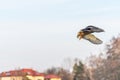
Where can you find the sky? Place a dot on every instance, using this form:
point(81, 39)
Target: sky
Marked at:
point(40, 34)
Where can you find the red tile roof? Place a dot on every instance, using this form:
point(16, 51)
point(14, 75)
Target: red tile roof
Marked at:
point(24, 72)
point(21, 72)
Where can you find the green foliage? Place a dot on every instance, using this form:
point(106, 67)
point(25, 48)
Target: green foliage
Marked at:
point(79, 71)
point(78, 68)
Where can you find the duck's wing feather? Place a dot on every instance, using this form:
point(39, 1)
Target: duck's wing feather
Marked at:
point(92, 29)
point(93, 39)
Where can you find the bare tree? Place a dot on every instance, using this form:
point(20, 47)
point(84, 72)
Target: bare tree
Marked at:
point(68, 63)
point(64, 74)
point(107, 67)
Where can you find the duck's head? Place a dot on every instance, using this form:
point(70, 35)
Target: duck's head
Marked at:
point(80, 34)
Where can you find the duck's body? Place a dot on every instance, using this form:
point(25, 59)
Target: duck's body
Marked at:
point(86, 34)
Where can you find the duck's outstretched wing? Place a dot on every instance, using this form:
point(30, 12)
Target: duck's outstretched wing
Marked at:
point(93, 39)
point(91, 29)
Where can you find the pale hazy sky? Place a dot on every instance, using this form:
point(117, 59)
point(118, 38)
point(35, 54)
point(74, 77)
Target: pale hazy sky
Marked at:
point(40, 34)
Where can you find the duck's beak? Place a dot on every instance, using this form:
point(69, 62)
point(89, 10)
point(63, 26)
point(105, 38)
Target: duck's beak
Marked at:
point(80, 35)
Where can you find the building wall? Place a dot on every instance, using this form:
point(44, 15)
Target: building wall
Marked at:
point(11, 78)
point(20, 78)
point(55, 79)
point(36, 77)
point(5, 78)
point(30, 77)
point(16, 78)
